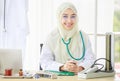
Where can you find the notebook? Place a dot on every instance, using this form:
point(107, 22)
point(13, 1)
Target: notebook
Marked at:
point(10, 59)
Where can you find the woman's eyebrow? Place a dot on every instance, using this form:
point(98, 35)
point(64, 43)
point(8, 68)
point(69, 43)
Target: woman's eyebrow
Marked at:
point(73, 14)
point(67, 14)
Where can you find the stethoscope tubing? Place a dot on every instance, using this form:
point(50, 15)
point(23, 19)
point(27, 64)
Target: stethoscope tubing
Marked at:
point(68, 51)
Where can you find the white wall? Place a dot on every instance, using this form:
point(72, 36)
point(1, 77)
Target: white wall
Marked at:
point(32, 52)
point(104, 23)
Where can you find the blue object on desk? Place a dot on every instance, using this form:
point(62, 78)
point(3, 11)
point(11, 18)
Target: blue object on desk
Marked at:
point(36, 76)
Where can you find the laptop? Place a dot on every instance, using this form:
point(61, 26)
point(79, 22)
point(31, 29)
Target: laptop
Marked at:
point(10, 59)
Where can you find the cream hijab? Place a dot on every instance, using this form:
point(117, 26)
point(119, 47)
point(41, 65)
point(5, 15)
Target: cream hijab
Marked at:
point(55, 43)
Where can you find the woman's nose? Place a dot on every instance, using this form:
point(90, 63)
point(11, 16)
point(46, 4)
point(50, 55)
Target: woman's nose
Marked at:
point(69, 20)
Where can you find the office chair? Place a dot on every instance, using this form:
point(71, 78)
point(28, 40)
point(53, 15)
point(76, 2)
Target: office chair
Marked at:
point(41, 45)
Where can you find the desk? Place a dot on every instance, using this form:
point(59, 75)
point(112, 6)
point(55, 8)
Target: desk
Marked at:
point(64, 78)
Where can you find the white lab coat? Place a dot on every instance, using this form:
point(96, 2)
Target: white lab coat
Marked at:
point(16, 25)
point(48, 62)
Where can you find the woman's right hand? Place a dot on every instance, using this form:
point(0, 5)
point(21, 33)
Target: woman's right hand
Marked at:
point(71, 66)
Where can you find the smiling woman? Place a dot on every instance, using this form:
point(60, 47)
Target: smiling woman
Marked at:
point(68, 19)
point(94, 18)
point(72, 51)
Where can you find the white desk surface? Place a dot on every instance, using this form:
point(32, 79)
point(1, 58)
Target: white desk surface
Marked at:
point(65, 78)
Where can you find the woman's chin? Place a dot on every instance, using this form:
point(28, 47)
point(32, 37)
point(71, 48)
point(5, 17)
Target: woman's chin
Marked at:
point(68, 28)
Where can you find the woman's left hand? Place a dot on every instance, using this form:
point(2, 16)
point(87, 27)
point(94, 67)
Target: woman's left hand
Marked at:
point(76, 69)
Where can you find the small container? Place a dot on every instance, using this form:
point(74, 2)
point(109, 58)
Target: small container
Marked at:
point(8, 72)
point(20, 72)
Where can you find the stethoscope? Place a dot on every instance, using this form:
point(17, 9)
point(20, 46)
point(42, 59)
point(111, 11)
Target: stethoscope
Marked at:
point(68, 51)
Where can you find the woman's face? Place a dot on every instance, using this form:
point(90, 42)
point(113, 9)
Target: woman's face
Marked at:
point(68, 19)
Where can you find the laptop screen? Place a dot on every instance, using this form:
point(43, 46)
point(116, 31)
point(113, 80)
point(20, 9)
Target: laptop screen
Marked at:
point(10, 59)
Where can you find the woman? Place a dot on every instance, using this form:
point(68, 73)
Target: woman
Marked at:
point(67, 48)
